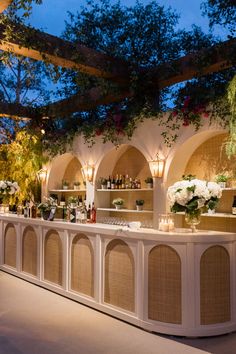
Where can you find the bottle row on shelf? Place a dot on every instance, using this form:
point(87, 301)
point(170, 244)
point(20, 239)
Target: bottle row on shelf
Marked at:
point(75, 210)
point(123, 182)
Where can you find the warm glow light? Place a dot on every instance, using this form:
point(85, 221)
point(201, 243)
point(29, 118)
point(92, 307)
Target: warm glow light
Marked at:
point(42, 175)
point(87, 172)
point(157, 167)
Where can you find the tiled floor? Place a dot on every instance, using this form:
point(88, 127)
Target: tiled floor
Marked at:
point(36, 321)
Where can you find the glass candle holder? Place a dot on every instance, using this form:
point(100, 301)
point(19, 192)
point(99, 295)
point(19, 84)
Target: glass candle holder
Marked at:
point(166, 222)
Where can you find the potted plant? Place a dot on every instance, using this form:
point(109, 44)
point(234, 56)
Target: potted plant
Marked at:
point(118, 202)
point(77, 185)
point(65, 184)
point(103, 182)
point(221, 180)
point(139, 204)
point(149, 182)
point(47, 208)
point(72, 201)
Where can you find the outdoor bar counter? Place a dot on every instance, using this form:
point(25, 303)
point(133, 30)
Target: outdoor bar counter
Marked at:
point(178, 283)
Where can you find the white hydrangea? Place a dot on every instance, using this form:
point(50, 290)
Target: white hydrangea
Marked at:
point(182, 192)
point(214, 189)
point(8, 187)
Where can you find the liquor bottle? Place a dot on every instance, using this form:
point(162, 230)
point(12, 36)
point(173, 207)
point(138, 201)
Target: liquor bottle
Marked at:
point(234, 206)
point(123, 182)
point(64, 213)
point(89, 213)
point(109, 183)
point(73, 214)
point(113, 183)
point(79, 209)
point(93, 214)
point(83, 214)
point(63, 200)
point(33, 211)
point(26, 210)
point(117, 182)
point(120, 182)
point(127, 181)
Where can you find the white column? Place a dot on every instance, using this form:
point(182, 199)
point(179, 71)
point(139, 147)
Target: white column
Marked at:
point(159, 200)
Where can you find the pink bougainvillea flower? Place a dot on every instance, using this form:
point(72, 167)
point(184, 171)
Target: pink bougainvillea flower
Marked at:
point(174, 113)
point(186, 122)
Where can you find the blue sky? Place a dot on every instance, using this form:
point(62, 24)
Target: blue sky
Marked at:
point(51, 15)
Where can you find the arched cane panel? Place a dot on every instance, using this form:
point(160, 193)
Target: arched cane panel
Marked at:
point(119, 276)
point(53, 257)
point(164, 285)
point(29, 251)
point(82, 265)
point(10, 246)
point(215, 286)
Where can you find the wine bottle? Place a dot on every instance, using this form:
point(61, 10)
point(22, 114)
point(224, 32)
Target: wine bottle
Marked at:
point(89, 213)
point(123, 182)
point(113, 183)
point(33, 211)
point(93, 214)
point(109, 183)
point(234, 206)
point(73, 215)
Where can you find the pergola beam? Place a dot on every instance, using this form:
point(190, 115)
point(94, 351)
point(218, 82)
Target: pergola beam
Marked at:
point(63, 108)
point(16, 111)
point(83, 102)
point(38, 45)
point(4, 5)
point(207, 61)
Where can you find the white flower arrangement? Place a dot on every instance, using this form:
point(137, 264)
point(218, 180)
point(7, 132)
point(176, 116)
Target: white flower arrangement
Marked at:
point(194, 194)
point(8, 187)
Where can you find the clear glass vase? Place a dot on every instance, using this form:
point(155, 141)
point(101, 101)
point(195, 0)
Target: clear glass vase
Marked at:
point(193, 218)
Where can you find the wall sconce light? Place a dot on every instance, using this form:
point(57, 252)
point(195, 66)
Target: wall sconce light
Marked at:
point(42, 175)
point(157, 167)
point(87, 172)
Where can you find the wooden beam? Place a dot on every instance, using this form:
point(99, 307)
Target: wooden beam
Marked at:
point(206, 61)
point(4, 5)
point(17, 111)
point(63, 108)
point(83, 102)
point(38, 45)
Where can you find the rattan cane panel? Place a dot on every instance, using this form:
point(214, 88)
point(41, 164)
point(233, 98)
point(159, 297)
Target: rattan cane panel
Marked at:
point(215, 286)
point(82, 265)
point(10, 246)
point(209, 159)
point(53, 258)
point(29, 251)
point(164, 285)
point(119, 276)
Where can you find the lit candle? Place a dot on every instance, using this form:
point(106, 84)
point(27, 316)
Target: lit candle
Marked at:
point(165, 227)
point(171, 225)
